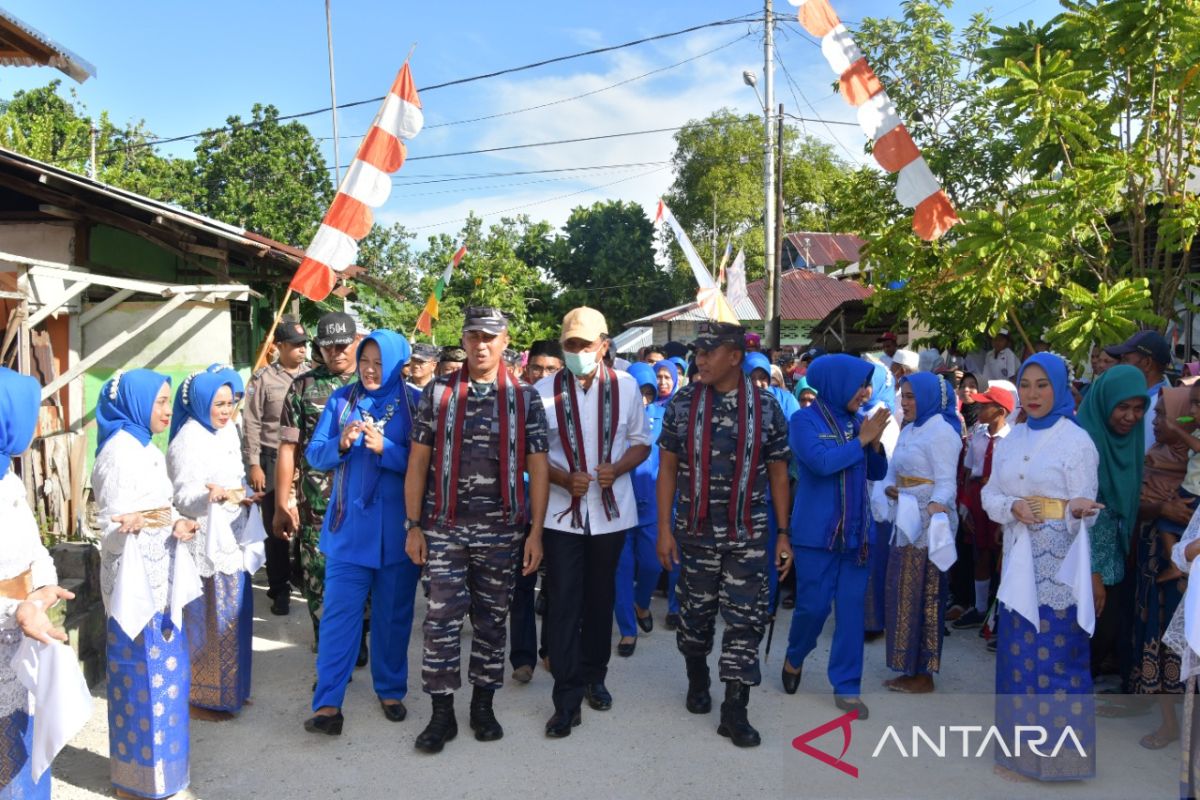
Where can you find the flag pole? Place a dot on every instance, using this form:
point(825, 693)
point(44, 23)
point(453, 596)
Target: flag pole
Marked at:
point(261, 359)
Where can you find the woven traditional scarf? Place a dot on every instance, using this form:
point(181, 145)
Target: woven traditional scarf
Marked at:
point(749, 450)
point(341, 474)
point(840, 531)
point(451, 422)
point(570, 432)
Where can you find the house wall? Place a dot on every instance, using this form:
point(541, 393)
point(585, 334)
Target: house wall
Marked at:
point(794, 333)
point(195, 336)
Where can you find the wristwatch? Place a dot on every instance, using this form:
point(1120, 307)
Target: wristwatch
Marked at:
point(409, 524)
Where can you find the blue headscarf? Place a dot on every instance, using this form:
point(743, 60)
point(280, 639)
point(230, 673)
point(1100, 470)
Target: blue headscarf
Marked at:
point(681, 366)
point(236, 385)
point(754, 361)
point(20, 396)
point(1064, 402)
point(836, 379)
point(667, 364)
point(801, 387)
point(131, 407)
point(934, 398)
point(643, 373)
point(394, 352)
point(200, 388)
point(883, 388)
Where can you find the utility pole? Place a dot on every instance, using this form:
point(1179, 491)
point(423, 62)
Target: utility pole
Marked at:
point(337, 163)
point(92, 163)
point(771, 323)
point(776, 315)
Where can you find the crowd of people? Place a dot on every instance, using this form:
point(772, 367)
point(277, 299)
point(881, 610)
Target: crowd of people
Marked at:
point(907, 494)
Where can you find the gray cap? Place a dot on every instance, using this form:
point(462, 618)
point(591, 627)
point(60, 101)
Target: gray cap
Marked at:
point(484, 318)
point(423, 351)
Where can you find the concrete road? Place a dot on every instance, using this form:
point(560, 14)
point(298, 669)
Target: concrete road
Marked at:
point(646, 746)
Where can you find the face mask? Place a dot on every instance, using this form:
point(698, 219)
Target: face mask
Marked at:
point(581, 364)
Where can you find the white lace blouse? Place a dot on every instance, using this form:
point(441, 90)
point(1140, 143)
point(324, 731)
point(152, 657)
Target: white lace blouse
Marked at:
point(21, 549)
point(1059, 462)
point(130, 477)
point(197, 457)
point(930, 451)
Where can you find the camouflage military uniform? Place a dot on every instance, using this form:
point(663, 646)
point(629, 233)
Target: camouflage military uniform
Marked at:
point(471, 564)
point(301, 410)
point(722, 570)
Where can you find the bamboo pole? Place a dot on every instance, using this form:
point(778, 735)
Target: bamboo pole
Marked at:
point(261, 360)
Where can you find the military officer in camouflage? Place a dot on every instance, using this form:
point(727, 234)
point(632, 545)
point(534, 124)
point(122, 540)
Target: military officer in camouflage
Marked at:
point(265, 395)
point(717, 436)
point(422, 364)
point(451, 359)
point(475, 434)
point(336, 333)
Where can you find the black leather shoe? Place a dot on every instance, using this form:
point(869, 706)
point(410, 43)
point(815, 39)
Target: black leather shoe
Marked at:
point(330, 725)
point(442, 726)
point(395, 712)
point(626, 648)
point(646, 623)
point(597, 696)
point(281, 604)
point(852, 703)
point(483, 719)
point(559, 726)
point(791, 680)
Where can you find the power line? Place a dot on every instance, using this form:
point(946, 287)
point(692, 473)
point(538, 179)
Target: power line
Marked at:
point(585, 190)
point(746, 18)
point(795, 88)
point(569, 99)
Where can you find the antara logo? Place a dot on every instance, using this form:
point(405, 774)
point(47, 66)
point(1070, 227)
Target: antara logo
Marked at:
point(801, 742)
point(1032, 737)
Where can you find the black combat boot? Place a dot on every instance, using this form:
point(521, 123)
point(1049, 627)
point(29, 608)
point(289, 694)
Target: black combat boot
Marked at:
point(699, 701)
point(442, 725)
point(483, 719)
point(733, 716)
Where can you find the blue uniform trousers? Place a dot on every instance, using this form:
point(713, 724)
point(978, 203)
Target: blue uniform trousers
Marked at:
point(825, 579)
point(637, 574)
point(392, 589)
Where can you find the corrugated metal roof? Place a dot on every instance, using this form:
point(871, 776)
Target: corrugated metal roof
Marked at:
point(22, 45)
point(819, 249)
point(633, 339)
point(807, 296)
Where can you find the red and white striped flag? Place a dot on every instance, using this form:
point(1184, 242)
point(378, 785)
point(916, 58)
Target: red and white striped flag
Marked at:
point(366, 185)
point(916, 185)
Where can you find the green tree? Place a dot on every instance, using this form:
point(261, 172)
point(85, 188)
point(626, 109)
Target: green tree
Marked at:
point(44, 124)
point(264, 175)
point(717, 195)
point(606, 259)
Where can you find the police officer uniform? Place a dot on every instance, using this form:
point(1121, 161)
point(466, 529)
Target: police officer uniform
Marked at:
point(265, 395)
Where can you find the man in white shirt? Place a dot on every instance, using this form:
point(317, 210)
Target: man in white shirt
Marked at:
point(598, 435)
point(1000, 364)
point(1150, 353)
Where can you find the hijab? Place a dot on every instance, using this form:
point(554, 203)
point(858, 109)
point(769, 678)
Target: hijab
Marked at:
point(883, 388)
point(236, 385)
point(802, 386)
point(667, 365)
point(20, 397)
point(1064, 402)
point(194, 399)
point(934, 398)
point(836, 379)
point(126, 404)
point(643, 373)
point(394, 352)
point(1166, 464)
point(1120, 456)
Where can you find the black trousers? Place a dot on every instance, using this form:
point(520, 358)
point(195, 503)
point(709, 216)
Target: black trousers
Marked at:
point(581, 587)
point(279, 554)
point(522, 622)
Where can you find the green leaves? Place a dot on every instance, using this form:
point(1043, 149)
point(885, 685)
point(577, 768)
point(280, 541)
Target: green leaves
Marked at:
point(1109, 314)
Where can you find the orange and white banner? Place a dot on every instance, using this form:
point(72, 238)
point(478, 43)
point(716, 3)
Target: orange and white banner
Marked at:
point(366, 185)
point(894, 150)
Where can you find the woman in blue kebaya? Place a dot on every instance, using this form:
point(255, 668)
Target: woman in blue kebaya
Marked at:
point(638, 569)
point(837, 454)
point(666, 377)
point(363, 439)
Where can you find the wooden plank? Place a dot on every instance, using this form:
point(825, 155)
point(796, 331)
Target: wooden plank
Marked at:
point(104, 306)
point(112, 344)
point(78, 459)
point(55, 304)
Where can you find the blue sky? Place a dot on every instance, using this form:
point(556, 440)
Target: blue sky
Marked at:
point(184, 66)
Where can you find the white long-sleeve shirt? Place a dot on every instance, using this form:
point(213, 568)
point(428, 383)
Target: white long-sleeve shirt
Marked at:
point(632, 430)
point(196, 458)
point(931, 452)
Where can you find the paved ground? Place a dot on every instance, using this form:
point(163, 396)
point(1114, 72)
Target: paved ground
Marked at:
point(646, 746)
